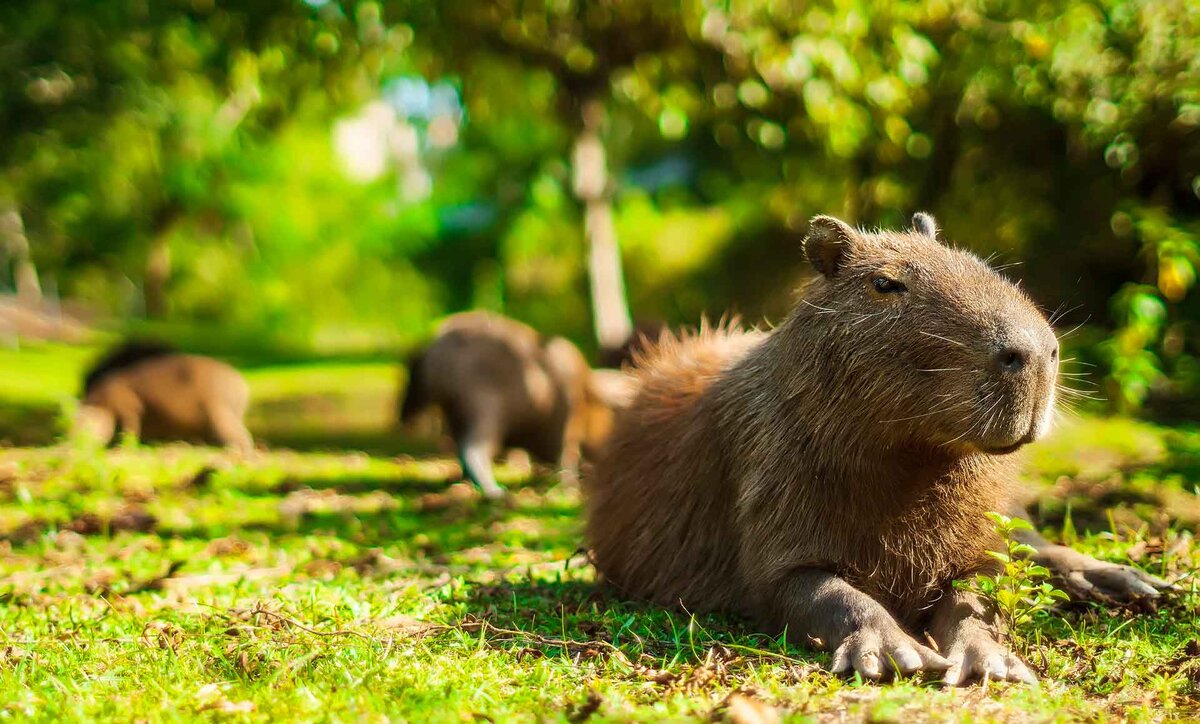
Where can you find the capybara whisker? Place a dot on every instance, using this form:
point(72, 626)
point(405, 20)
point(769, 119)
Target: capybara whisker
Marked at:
point(1072, 330)
point(823, 310)
point(865, 317)
point(944, 339)
point(927, 414)
point(1057, 316)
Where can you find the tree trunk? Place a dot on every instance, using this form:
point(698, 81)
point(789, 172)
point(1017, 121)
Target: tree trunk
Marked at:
point(610, 310)
point(16, 244)
point(158, 264)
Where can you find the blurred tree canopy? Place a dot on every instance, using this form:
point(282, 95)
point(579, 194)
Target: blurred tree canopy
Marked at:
point(340, 173)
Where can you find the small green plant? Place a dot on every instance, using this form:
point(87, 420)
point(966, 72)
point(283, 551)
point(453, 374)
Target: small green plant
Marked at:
point(1021, 589)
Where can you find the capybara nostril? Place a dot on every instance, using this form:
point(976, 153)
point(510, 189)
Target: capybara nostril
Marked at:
point(1011, 360)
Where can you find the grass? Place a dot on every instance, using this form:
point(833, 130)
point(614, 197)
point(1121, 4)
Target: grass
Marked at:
point(176, 583)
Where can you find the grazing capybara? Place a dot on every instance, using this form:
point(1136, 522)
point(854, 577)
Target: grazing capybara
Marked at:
point(154, 393)
point(501, 385)
point(831, 477)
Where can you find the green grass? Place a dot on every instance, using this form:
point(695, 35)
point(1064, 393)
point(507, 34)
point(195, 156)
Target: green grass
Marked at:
point(177, 583)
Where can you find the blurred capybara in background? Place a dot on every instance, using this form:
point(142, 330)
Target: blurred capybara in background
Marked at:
point(502, 385)
point(156, 394)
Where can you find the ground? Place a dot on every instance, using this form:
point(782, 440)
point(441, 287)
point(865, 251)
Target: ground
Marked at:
point(340, 574)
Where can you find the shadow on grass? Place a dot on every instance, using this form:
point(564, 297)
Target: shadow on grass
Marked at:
point(569, 617)
point(1161, 492)
point(350, 485)
point(380, 443)
point(416, 517)
point(28, 425)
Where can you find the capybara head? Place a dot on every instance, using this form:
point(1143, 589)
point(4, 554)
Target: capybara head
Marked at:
point(939, 347)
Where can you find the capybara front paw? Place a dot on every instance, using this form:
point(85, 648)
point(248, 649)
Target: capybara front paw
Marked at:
point(878, 649)
point(978, 656)
point(1112, 580)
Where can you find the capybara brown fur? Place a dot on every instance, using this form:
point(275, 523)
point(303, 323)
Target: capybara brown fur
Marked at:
point(501, 385)
point(831, 477)
point(156, 394)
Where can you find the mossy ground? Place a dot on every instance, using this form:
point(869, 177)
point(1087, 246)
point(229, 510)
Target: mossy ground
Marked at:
point(338, 574)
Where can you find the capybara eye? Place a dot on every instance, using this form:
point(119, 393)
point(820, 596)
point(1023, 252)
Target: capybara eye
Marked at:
point(883, 285)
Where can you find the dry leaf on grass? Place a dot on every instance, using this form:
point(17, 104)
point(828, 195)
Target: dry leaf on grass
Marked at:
point(584, 711)
point(200, 480)
point(86, 524)
point(743, 708)
point(210, 698)
point(404, 625)
point(306, 501)
point(128, 517)
point(162, 635)
point(134, 518)
point(27, 532)
point(13, 655)
point(455, 495)
point(228, 546)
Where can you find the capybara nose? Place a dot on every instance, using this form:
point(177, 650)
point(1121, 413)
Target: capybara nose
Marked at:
point(1011, 359)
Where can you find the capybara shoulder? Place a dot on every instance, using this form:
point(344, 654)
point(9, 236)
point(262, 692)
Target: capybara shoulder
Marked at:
point(122, 357)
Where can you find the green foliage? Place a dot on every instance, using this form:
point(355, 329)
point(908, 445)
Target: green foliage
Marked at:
point(1151, 337)
point(1063, 137)
point(1020, 590)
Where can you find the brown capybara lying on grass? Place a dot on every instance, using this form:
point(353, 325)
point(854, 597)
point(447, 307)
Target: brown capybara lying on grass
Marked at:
point(502, 385)
point(154, 393)
point(1082, 576)
point(831, 477)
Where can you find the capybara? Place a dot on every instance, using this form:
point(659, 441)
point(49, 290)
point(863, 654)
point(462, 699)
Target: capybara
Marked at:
point(831, 477)
point(502, 385)
point(153, 393)
point(1081, 575)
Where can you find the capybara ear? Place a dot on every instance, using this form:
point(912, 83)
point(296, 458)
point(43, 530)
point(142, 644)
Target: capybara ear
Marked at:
point(828, 241)
point(925, 225)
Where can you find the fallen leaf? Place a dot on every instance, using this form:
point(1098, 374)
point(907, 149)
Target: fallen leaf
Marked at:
point(210, 698)
point(583, 712)
point(228, 546)
point(86, 524)
point(162, 635)
point(13, 655)
point(745, 709)
point(406, 625)
point(134, 518)
point(200, 480)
